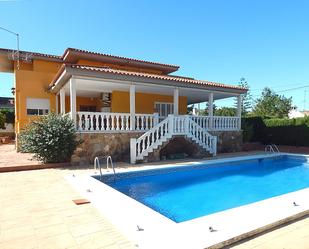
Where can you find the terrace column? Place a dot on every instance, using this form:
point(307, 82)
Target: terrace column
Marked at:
point(57, 103)
point(73, 100)
point(176, 101)
point(62, 100)
point(132, 107)
point(211, 109)
point(239, 109)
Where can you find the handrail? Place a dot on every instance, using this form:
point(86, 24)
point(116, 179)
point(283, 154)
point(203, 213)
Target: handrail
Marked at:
point(98, 165)
point(203, 136)
point(272, 148)
point(172, 125)
point(275, 147)
point(112, 121)
point(109, 159)
point(218, 123)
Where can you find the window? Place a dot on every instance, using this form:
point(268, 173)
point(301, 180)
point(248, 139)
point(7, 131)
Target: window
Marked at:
point(164, 109)
point(36, 106)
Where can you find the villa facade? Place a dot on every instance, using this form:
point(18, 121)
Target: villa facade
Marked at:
point(130, 109)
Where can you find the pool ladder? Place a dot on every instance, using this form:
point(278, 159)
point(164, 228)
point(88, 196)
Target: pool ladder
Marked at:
point(272, 148)
point(97, 164)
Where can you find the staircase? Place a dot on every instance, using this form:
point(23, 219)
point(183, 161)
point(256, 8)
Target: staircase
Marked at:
point(165, 130)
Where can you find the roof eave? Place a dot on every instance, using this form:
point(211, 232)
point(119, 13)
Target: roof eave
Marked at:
point(72, 56)
point(68, 72)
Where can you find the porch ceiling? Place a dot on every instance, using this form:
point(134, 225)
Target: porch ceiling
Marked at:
point(87, 87)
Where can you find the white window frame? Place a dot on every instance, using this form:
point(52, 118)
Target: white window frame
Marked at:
point(37, 106)
point(163, 108)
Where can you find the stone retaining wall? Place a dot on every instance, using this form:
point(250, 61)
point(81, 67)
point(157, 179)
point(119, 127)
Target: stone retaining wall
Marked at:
point(117, 145)
point(228, 141)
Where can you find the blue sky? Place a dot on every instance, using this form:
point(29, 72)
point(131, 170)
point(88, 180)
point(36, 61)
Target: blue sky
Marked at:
point(264, 41)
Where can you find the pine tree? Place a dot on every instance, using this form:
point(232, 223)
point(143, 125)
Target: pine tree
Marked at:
point(246, 103)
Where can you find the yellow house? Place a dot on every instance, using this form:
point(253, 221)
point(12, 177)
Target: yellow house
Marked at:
point(139, 104)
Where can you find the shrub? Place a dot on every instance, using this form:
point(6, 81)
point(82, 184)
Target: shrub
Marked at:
point(52, 138)
point(2, 120)
point(248, 132)
point(283, 131)
point(253, 129)
point(9, 116)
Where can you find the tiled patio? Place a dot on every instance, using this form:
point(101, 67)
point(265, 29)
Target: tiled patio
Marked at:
point(9, 157)
point(37, 212)
point(293, 236)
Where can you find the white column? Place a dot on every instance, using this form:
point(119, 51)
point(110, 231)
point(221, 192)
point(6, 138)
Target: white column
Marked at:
point(133, 150)
point(57, 104)
point(132, 107)
point(199, 108)
point(210, 104)
point(211, 109)
point(62, 100)
point(73, 100)
point(239, 109)
point(176, 101)
point(239, 100)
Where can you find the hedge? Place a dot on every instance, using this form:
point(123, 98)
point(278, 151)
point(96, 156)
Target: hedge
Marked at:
point(9, 115)
point(284, 131)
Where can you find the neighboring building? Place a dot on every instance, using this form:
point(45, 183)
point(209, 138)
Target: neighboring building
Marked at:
point(118, 102)
point(6, 103)
point(294, 113)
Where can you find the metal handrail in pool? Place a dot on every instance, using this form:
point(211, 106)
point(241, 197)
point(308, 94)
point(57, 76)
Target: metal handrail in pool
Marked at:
point(108, 160)
point(272, 148)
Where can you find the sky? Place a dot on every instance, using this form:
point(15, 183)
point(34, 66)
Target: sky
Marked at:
point(264, 41)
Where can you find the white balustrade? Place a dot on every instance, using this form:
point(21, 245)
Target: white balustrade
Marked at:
point(105, 121)
point(172, 125)
point(150, 139)
point(202, 136)
point(218, 123)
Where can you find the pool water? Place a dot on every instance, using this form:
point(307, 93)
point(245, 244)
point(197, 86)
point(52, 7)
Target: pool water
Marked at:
point(196, 191)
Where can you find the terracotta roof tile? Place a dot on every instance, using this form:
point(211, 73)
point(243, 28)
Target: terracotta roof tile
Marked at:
point(118, 57)
point(154, 76)
point(33, 53)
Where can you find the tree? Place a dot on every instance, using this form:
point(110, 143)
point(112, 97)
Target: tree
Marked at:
point(205, 111)
point(246, 103)
point(2, 120)
point(271, 104)
point(225, 111)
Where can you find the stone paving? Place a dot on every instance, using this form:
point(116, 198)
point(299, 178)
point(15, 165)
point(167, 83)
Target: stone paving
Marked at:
point(37, 211)
point(293, 236)
point(9, 157)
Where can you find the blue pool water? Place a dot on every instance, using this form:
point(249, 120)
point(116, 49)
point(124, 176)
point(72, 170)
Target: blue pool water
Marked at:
point(190, 192)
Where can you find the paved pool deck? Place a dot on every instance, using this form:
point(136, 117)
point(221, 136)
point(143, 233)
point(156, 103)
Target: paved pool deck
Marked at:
point(37, 211)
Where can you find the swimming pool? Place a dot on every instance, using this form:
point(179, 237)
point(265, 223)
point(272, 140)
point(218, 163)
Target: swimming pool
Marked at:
point(188, 192)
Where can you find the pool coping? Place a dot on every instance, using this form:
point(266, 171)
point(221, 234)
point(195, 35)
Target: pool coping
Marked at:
point(127, 214)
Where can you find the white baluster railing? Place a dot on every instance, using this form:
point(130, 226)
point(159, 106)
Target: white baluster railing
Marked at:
point(172, 125)
point(105, 121)
point(140, 146)
point(218, 123)
point(144, 122)
point(202, 137)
